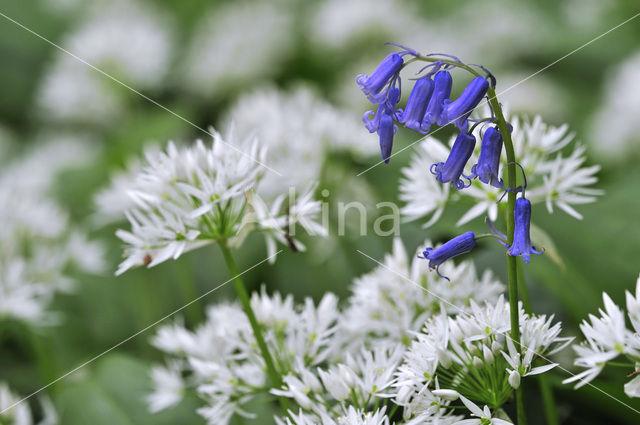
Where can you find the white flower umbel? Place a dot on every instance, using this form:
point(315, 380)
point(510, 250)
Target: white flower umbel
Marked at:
point(466, 353)
point(396, 298)
point(299, 129)
point(126, 39)
point(222, 362)
point(237, 43)
point(188, 197)
point(608, 337)
point(39, 247)
point(553, 178)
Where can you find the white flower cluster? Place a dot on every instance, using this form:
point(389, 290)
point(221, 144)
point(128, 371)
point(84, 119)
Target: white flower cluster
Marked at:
point(236, 44)
point(38, 246)
point(357, 364)
point(473, 354)
point(19, 413)
point(395, 299)
point(191, 196)
point(126, 39)
point(299, 129)
point(607, 337)
point(553, 178)
point(221, 357)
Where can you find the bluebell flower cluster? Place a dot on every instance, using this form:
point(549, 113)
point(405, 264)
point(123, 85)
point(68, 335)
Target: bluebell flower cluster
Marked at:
point(429, 103)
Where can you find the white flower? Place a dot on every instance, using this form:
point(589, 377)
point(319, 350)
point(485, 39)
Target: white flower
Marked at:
point(398, 297)
point(188, 197)
point(632, 388)
point(613, 132)
point(552, 178)
point(168, 387)
point(237, 43)
point(483, 415)
point(16, 412)
point(299, 128)
point(126, 39)
point(607, 337)
point(416, 183)
point(37, 242)
point(472, 343)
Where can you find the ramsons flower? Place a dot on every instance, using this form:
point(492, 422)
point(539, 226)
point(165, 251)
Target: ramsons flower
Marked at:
point(373, 84)
point(458, 111)
point(521, 239)
point(486, 169)
point(416, 107)
point(459, 245)
point(451, 170)
point(442, 83)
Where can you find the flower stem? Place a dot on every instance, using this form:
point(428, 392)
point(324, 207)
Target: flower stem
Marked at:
point(272, 373)
point(512, 266)
point(546, 392)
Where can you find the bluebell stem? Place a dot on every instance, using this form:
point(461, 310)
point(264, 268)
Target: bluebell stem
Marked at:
point(521, 239)
point(442, 83)
point(451, 170)
point(458, 111)
point(459, 245)
point(373, 84)
point(412, 115)
point(489, 160)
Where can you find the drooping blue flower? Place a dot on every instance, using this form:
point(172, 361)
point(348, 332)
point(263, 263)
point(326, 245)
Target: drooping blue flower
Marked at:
point(458, 111)
point(442, 83)
point(412, 115)
point(489, 160)
point(388, 102)
point(371, 85)
point(459, 245)
point(521, 239)
point(386, 131)
point(451, 170)
point(382, 122)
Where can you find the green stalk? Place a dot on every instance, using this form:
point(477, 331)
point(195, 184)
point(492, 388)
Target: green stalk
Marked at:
point(273, 374)
point(512, 265)
point(546, 392)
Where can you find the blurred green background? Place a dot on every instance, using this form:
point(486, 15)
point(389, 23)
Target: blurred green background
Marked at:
point(513, 39)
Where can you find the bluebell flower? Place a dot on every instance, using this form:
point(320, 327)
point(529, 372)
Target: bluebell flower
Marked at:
point(386, 131)
point(442, 83)
point(373, 84)
point(388, 102)
point(458, 111)
point(521, 239)
point(451, 170)
point(459, 245)
point(489, 160)
point(412, 115)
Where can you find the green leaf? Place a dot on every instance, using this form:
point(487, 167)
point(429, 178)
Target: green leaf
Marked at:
point(541, 239)
point(113, 393)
